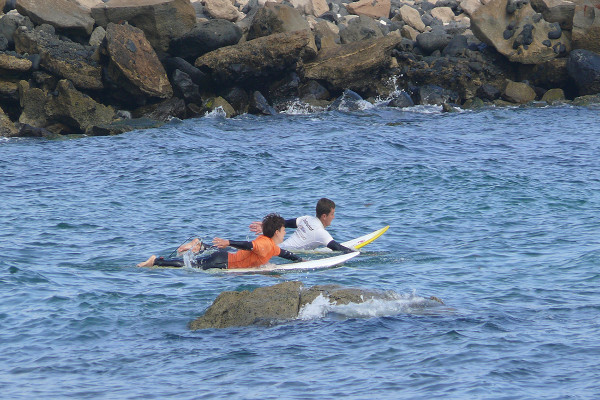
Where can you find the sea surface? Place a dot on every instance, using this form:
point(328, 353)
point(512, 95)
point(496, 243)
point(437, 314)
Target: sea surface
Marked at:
point(496, 212)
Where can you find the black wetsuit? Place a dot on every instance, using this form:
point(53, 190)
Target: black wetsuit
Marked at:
point(218, 258)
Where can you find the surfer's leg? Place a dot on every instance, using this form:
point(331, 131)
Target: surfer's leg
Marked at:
point(173, 262)
point(218, 259)
point(148, 263)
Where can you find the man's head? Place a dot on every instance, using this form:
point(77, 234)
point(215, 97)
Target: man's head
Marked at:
point(272, 224)
point(325, 211)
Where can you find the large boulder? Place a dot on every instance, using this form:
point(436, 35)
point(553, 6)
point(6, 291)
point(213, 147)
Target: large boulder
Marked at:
point(586, 25)
point(518, 92)
point(9, 24)
point(204, 37)
point(357, 66)
point(561, 11)
point(361, 28)
point(222, 9)
point(370, 8)
point(161, 20)
point(75, 109)
point(133, 63)
point(311, 7)
point(7, 127)
point(276, 18)
point(65, 59)
point(584, 68)
point(518, 32)
point(284, 301)
point(265, 57)
point(66, 16)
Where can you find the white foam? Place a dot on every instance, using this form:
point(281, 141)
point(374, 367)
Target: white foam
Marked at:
point(217, 112)
point(396, 304)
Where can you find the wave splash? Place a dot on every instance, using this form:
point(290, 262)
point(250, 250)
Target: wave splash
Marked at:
point(395, 304)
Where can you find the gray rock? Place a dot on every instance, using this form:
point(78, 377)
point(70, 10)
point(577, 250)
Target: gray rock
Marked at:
point(66, 16)
point(432, 41)
point(348, 101)
point(401, 100)
point(276, 18)
point(488, 92)
point(456, 47)
point(583, 67)
point(9, 24)
point(361, 28)
point(260, 105)
point(204, 37)
point(433, 94)
point(185, 88)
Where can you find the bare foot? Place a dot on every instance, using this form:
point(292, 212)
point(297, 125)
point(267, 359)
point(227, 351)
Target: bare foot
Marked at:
point(194, 245)
point(148, 263)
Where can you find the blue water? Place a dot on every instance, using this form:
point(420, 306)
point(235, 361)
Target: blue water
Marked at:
point(497, 212)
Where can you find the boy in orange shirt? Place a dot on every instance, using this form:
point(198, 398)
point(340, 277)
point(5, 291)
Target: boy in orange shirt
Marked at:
point(250, 254)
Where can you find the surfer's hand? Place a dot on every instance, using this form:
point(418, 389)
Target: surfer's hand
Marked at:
point(220, 243)
point(256, 227)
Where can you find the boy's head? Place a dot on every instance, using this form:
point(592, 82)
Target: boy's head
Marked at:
point(324, 206)
point(271, 224)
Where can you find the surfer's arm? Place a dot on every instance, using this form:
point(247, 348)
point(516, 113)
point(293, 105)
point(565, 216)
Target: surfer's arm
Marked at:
point(238, 244)
point(288, 255)
point(256, 226)
point(335, 246)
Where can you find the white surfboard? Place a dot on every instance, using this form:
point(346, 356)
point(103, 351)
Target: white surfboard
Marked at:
point(326, 262)
point(357, 243)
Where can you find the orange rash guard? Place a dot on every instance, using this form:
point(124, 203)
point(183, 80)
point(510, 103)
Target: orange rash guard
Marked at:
point(263, 248)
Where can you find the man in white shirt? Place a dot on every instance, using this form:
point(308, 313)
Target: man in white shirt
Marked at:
point(310, 231)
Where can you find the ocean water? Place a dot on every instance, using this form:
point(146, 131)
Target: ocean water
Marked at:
point(496, 212)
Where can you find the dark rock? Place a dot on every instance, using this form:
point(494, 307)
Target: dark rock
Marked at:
point(122, 126)
point(556, 33)
point(313, 90)
point(163, 111)
point(456, 47)
point(348, 101)
point(361, 28)
point(401, 100)
point(430, 41)
point(583, 67)
point(433, 94)
point(204, 37)
point(27, 130)
point(488, 92)
point(260, 105)
point(185, 88)
point(198, 77)
point(238, 98)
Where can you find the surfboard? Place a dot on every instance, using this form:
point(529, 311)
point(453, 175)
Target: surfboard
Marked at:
point(357, 243)
point(320, 263)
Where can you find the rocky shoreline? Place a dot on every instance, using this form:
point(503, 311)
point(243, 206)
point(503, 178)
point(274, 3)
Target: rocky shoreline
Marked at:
point(105, 67)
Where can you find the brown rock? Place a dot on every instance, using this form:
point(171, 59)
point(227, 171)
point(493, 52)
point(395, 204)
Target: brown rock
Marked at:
point(276, 18)
point(527, 42)
point(7, 127)
point(66, 16)
point(259, 58)
point(356, 66)
point(161, 20)
point(518, 92)
point(370, 8)
point(13, 63)
point(134, 63)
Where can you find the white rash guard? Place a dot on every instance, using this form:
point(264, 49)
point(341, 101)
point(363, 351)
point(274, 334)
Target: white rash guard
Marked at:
point(309, 235)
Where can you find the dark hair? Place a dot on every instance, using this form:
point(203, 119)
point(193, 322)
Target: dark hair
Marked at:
point(324, 206)
point(271, 224)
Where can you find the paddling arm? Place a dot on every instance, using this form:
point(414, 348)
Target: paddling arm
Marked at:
point(256, 226)
point(335, 246)
point(288, 255)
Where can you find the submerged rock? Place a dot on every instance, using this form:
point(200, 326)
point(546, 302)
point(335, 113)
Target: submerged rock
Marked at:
point(284, 302)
